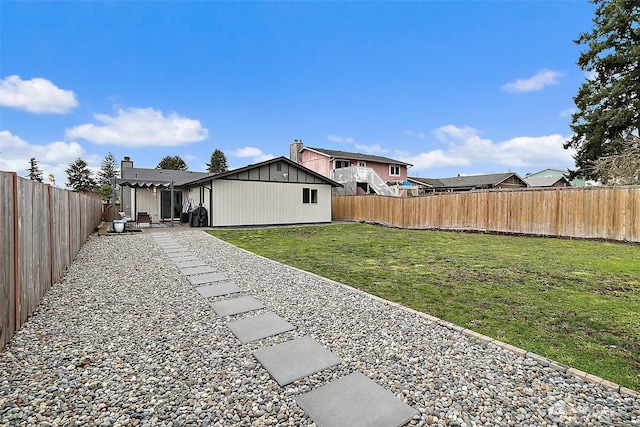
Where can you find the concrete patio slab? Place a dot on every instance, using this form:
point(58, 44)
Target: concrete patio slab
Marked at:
point(218, 290)
point(185, 264)
point(190, 271)
point(257, 327)
point(236, 306)
point(296, 359)
point(206, 278)
point(355, 401)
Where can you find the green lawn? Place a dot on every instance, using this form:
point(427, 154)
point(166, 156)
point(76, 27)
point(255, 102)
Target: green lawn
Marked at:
point(573, 301)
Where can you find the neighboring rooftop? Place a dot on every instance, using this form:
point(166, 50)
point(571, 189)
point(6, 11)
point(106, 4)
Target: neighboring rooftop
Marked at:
point(356, 156)
point(472, 181)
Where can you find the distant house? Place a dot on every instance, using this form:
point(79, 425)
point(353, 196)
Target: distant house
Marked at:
point(552, 176)
point(358, 173)
point(274, 192)
point(470, 182)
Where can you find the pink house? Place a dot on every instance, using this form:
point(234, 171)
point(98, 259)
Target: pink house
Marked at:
point(359, 173)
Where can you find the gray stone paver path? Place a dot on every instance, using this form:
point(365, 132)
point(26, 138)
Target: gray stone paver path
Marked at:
point(355, 401)
point(206, 278)
point(258, 327)
point(236, 306)
point(190, 271)
point(218, 290)
point(195, 263)
point(295, 359)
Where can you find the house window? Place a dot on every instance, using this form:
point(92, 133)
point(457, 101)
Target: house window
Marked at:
point(279, 167)
point(362, 163)
point(309, 195)
point(342, 164)
point(394, 170)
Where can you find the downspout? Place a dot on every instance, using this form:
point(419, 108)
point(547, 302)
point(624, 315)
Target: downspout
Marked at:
point(172, 203)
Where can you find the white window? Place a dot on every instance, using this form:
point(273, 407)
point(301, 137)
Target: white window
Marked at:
point(362, 163)
point(394, 170)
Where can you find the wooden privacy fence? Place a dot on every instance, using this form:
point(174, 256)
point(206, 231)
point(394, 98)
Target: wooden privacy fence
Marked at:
point(41, 230)
point(611, 213)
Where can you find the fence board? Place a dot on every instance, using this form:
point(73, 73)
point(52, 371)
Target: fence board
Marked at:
point(611, 213)
point(7, 259)
point(41, 230)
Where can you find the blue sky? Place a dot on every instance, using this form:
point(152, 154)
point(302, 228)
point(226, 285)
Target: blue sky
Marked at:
point(449, 86)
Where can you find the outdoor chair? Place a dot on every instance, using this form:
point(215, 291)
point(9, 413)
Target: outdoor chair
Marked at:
point(143, 217)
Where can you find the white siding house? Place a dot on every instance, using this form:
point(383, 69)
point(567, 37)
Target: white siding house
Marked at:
point(276, 192)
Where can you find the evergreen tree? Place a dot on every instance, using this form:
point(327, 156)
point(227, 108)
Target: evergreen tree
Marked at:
point(172, 162)
point(79, 176)
point(218, 162)
point(35, 173)
point(608, 101)
point(108, 170)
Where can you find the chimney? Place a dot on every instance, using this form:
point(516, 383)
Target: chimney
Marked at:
point(294, 150)
point(125, 163)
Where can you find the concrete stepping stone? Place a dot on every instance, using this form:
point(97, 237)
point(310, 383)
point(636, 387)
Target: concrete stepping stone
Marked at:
point(355, 401)
point(173, 249)
point(218, 290)
point(180, 255)
point(206, 278)
point(296, 359)
point(184, 258)
point(178, 251)
point(258, 327)
point(168, 247)
point(236, 306)
point(185, 264)
point(190, 271)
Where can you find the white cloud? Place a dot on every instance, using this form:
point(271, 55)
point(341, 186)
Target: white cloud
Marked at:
point(255, 154)
point(53, 158)
point(340, 139)
point(140, 127)
point(35, 96)
point(539, 81)
point(463, 146)
point(433, 159)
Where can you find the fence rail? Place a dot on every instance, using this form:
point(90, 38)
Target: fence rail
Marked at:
point(41, 230)
point(611, 213)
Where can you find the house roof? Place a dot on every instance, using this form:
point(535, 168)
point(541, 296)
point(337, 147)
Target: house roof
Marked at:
point(471, 181)
point(178, 177)
point(545, 181)
point(355, 156)
point(261, 164)
point(549, 172)
point(430, 182)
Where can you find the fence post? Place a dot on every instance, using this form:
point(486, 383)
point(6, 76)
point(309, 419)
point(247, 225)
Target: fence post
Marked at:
point(16, 282)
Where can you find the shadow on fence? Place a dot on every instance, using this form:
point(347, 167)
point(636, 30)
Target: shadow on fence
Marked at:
point(41, 230)
point(610, 213)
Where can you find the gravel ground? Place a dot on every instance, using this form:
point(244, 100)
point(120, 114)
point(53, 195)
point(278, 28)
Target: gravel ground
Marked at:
point(126, 340)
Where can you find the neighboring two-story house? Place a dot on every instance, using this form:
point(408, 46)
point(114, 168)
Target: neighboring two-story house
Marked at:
point(358, 173)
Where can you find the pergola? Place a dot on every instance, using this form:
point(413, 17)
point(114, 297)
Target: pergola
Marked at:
point(140, 183)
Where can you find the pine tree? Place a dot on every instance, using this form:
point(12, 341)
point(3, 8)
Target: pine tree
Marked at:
point(79, 176)
point(108, 170)
point(218, 162)
point(35, 173)
point(172, 162)
point(608, 101)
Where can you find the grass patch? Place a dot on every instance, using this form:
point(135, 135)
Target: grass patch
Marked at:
point(574, 301)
